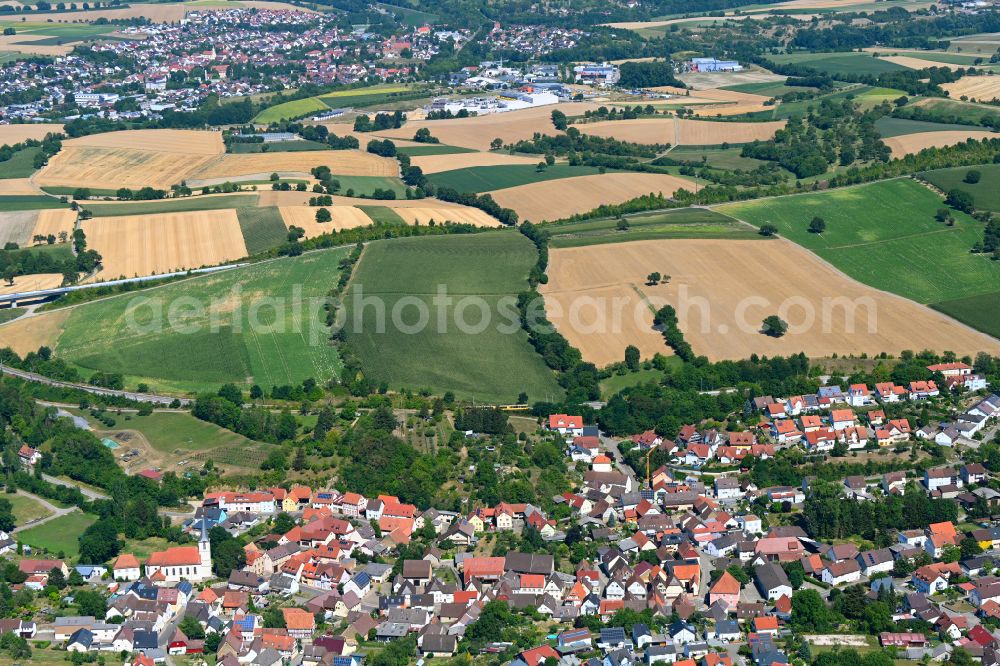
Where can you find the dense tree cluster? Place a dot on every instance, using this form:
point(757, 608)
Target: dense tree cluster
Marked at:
point(648, 74)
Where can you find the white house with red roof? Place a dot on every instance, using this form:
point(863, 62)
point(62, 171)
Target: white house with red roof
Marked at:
point(566, 425)
point(956, 369)
point(126, 567)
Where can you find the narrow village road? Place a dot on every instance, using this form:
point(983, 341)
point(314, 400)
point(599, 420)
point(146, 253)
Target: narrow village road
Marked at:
point(56, 511)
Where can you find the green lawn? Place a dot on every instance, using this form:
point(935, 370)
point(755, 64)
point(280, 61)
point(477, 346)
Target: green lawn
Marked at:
point(263, 228)
point(985, 193)
point(721, 158)
point(259, 324)
point(171, 205)
point(432, 149)
point(29, 202)
point(26, 509)
point(486, 178)
point(168, 432)
point(484, 270)
point(837, 63)
point(20, 165)
point(678, 223)
point(889, 127)
point(884, 235)
point(981, 312)
point(382, 215)
point(59, 535)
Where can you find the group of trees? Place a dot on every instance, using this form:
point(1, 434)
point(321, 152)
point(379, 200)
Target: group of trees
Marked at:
point(382, 121)
point(226, 408)
point(648, 74)
point(665, 321)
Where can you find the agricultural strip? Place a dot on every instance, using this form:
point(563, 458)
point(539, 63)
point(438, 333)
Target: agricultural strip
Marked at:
point(262, 228)
point(679, 223)
point(492, 364)
point(487, 178)
point(186, 204)
point(342, 217)
point(722, 290)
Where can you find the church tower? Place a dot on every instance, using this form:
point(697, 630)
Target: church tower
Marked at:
point(205, 547)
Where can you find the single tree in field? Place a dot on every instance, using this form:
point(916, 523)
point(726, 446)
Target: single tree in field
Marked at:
point(541, 167)
point(817, 225)
point(768, 230)
point(632, 357)
point(622, 224)
point(774, 326)
point(323, 215)
point(942, 215)
point(653, 279)
point(9, 274)
point(496, 144)
point(972, 176)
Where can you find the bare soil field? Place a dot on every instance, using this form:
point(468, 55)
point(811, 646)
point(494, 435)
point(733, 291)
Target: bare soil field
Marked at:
point(341, 163)
point(54, 221)
point(723, 289)
point(32, 283)
point(557, 199)
point(436, 163)
point(27, 334)
point(188, 142)
point(18, 186)
point(477, 132)
point(913, 143)
point(976, 88)
point(134, 245)
point(442, 214)
point(682, 131)
point(344, 217)
point(11, 134)
point(16, 226)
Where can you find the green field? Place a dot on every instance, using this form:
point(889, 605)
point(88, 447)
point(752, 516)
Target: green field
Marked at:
point(837, 63)
point(486, 178)
point(26, 509)
point(382, 215)
point(679, 223)
point(172, 205)
point(9, 314)
point(364, 186)
point(278, 147)
point(20, 165)
point(720, 158)
point(884, 235)
point(259, 324)
point(937, 56)
point(409, 16)
point(616, 383)
point(29, 202)
point(766, 88)
point(170, 432)
point(986, 193)
point(801, 107)
point(432, 149)
point(351, 97)
point(981, 312)
point(485, 269)
point(888, 127)
point(263, 228)
point(62, 32)
point(951, 110)
point(59, 535)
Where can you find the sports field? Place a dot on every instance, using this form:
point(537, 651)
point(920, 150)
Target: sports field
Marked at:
point(884, 235)
point(487, 178)
point(486, 269)
point(257, 324)
point(151, 244)
point(679, 223)
point(722, 290)
point(985, 193)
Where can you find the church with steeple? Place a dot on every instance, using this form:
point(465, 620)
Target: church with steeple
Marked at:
point(192, 563)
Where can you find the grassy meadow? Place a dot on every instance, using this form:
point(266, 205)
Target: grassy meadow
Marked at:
point(836, 63)
point(886, 236)
point(985, 193)
point(678, 223)
point(171, 205)
point(59, 535)
point(246, 325)
point(492, 365)
point(486, 178)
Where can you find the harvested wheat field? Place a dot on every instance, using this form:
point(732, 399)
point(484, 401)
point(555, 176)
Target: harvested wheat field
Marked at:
point(681, 131)
point(976, 88)
point(341, 163)
point(304, 217)
point(906, 144)
point(133, 245)
point(54, 221)
point(723, 289)
point(556, 199)
point(17, 226)
point(35, 282)
point(18, 186)
point(188, 142)
point(911, 62)
point(436, 163)
point(27, 334)
point(441, 214)
point(477, 132)
point(33, 45)
point(11, 134)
